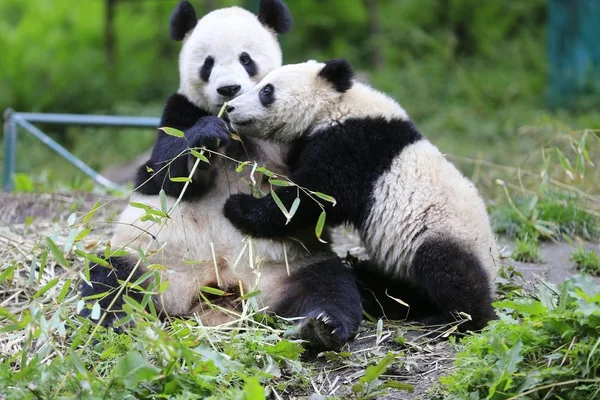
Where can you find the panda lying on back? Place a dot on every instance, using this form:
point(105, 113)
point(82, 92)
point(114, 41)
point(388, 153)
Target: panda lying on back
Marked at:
point(421, 220)
point(224, 54)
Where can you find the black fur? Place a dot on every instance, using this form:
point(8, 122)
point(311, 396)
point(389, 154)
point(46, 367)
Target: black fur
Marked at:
point(183, 20)
point(454, 280)
point(339, 73)
point(326, 294)
point(105, 279)
point(206, 68)
point(276, 15)
point(248, 64)
point(200, 129)
point(343, 161)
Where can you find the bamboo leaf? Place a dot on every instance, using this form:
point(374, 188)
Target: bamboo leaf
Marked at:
point(325, 197)
point(180, 179)
point(199, 155)
point(294, 207)
point(280, 182)
point(56, 252)
point(172, 132)
point(216, 292)
point(91, 213)
point(320, 226)
point(280, 205)
point(139, 205)
point(45, 288)
point(163, 200)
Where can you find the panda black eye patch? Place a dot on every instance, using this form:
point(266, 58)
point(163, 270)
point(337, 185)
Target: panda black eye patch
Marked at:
point(248, 64)
point(267, 95)
point(206, 68)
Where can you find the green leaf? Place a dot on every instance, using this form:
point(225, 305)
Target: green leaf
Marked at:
point(399, 385)
point(180, 179)
point(286, 350)
point(250, 295)
point(7, 274)
point(83, 234)
point(253, 390)
point(70, 240)
point(241, 166)
point(45, 288)
point(280, 205)
point(64, 291)
point(91, 213)
point(71, 220)
point(375, 371)
point(280, 182)
point(139, 205)
point(92, 257)
point(265, 171)
point(199, 155)
point(216, 292)
point(163, 200)
point(95, 311)
point(77, 363)
point(134, 369)
point(320, 226)
point(172, 132)
point(531, 307)
point(325, 197)
point(56, 252)
point(294, 207)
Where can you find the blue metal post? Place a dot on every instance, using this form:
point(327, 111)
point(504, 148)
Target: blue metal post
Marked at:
point(66, 154)
point(10, 150)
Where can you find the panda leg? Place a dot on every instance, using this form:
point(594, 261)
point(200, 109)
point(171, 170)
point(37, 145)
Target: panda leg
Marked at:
point(326, 295)
point(105, 280)
point(454, 280)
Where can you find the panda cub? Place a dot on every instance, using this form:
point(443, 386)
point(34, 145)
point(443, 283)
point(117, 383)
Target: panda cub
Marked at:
point(421, 220)
point(224, 54)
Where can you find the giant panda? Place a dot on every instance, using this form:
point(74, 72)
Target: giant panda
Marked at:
point(423, 223)
point(224, 54)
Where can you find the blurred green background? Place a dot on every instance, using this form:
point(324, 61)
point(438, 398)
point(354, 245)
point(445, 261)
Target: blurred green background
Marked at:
point(472, 74)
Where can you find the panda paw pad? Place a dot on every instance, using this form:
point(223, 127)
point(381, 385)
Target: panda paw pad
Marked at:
point(324, 331)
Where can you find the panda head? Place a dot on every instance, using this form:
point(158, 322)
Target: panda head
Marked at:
point(293, 100)
point(228, 51)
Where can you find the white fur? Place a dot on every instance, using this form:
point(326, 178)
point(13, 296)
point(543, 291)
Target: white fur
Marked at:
point(306, 102)
point(224, 34)
point(195, 230)
point(421, 188)
point(424, 190)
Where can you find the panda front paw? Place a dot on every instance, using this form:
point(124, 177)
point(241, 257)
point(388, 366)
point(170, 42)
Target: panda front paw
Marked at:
point(238, 209)
point(209, 132)
point(325, 332)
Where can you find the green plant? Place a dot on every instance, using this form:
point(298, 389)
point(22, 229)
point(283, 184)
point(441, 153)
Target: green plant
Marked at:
point(541, 347)
point(526, 249)
point(586, 260)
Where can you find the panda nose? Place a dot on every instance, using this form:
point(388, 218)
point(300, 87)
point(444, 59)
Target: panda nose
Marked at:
point(230, 109)
point(229, 91)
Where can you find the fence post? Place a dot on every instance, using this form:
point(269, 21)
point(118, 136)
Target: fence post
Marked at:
point(10, 151)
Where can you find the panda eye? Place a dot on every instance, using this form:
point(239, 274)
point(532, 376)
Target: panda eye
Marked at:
point(206, 68)
point(245, 59)
point(267, 90)
point(266, 95)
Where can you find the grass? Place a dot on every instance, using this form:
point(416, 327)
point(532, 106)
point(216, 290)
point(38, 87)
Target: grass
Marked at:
point(586, 261)
point(526, 249)
point(543, 346)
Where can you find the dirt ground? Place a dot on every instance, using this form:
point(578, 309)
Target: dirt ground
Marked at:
point(424, 360)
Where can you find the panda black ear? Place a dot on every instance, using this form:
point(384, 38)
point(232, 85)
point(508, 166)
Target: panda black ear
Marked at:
point(339, 73)
point(183, 20)
point(276, 15)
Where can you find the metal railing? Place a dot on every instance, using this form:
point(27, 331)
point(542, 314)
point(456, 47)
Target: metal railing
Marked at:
point(13, 120)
